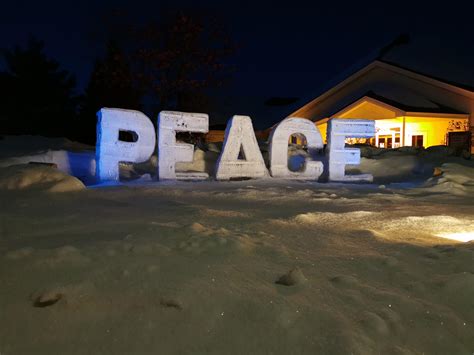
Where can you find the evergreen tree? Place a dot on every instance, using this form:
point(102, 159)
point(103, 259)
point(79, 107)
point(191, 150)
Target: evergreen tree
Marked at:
point(110, 85)
point(37, 96)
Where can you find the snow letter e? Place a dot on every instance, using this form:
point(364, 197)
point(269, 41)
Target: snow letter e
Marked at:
point(339, 157)
point(111, 150)
point(240, 140)
point(170, 152)
point(279, 149)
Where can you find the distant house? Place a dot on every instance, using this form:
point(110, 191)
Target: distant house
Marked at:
point(216, 133)
point(409, 108)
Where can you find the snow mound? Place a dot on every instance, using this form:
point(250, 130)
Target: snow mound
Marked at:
point(326, 218)
point(439, 151)
point(460, 174)
point(329, 220)
point(203, 161)
point(455, 178)
point(391, 168)
point(72, 158)
point(37, 177)
point(78, 164)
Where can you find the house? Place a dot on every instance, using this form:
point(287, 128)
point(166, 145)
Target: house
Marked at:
point(409, 108)
point(215, 134)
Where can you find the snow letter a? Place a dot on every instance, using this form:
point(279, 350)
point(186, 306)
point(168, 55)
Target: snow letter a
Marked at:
point(240, 140)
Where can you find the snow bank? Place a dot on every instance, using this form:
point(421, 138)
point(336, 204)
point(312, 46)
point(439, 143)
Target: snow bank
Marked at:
point(78, 164)
point(71, 158)
point(395, 168)
point(36, 177)
point(453, 178)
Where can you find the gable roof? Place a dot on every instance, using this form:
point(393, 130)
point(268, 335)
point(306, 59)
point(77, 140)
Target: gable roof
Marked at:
point(442, 80)
point(435, 107)
point(421, 104)
point(398, 110)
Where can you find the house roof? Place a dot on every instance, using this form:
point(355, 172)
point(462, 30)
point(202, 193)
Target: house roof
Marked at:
point(396, 108)
point(412, 102)
point(443, 80)
point(430, 107)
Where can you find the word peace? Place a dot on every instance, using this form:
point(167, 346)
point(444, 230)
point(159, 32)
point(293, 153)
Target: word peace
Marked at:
point(239, 136)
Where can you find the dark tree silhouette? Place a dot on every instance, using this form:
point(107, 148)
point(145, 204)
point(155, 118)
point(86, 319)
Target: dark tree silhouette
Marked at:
point(178, 60)
point(170, 64)
point(111, 85)
point(37, 96)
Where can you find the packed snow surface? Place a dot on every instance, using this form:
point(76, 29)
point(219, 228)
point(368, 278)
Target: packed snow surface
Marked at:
point(247, 267)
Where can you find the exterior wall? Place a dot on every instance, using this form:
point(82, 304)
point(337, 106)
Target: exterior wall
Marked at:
point(323, 129)
point(369, 111)
point(214, 136)
point(434, 130)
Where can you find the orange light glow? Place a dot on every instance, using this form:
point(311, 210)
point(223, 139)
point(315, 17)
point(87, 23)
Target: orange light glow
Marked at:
point(459, 236)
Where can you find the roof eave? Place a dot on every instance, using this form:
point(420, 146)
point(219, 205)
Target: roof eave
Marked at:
point(387, 66)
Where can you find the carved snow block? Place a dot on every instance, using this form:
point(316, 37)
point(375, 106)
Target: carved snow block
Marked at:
point(339, 156)
point(279, 138)
point(169, 151)
point(111, 151)
point(240, 137)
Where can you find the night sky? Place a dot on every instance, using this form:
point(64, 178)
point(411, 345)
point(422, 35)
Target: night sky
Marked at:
point(290, 49)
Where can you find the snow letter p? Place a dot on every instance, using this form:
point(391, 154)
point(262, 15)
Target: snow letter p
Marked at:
point(279, 149)
point(111, 150)
point(339, 156)
point(169, 151)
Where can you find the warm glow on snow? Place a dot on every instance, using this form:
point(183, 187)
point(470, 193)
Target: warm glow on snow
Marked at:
point(459, 236)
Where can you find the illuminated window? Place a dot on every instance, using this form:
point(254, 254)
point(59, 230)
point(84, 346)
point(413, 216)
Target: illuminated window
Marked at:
point(298, 139)
point(417, 141)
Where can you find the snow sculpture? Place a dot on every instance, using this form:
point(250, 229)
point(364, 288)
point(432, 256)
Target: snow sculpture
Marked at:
point(111, 151)
point(240, 137)
point(279, 149)
point(339, 156)
point(240, 156)
point(169, 151)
